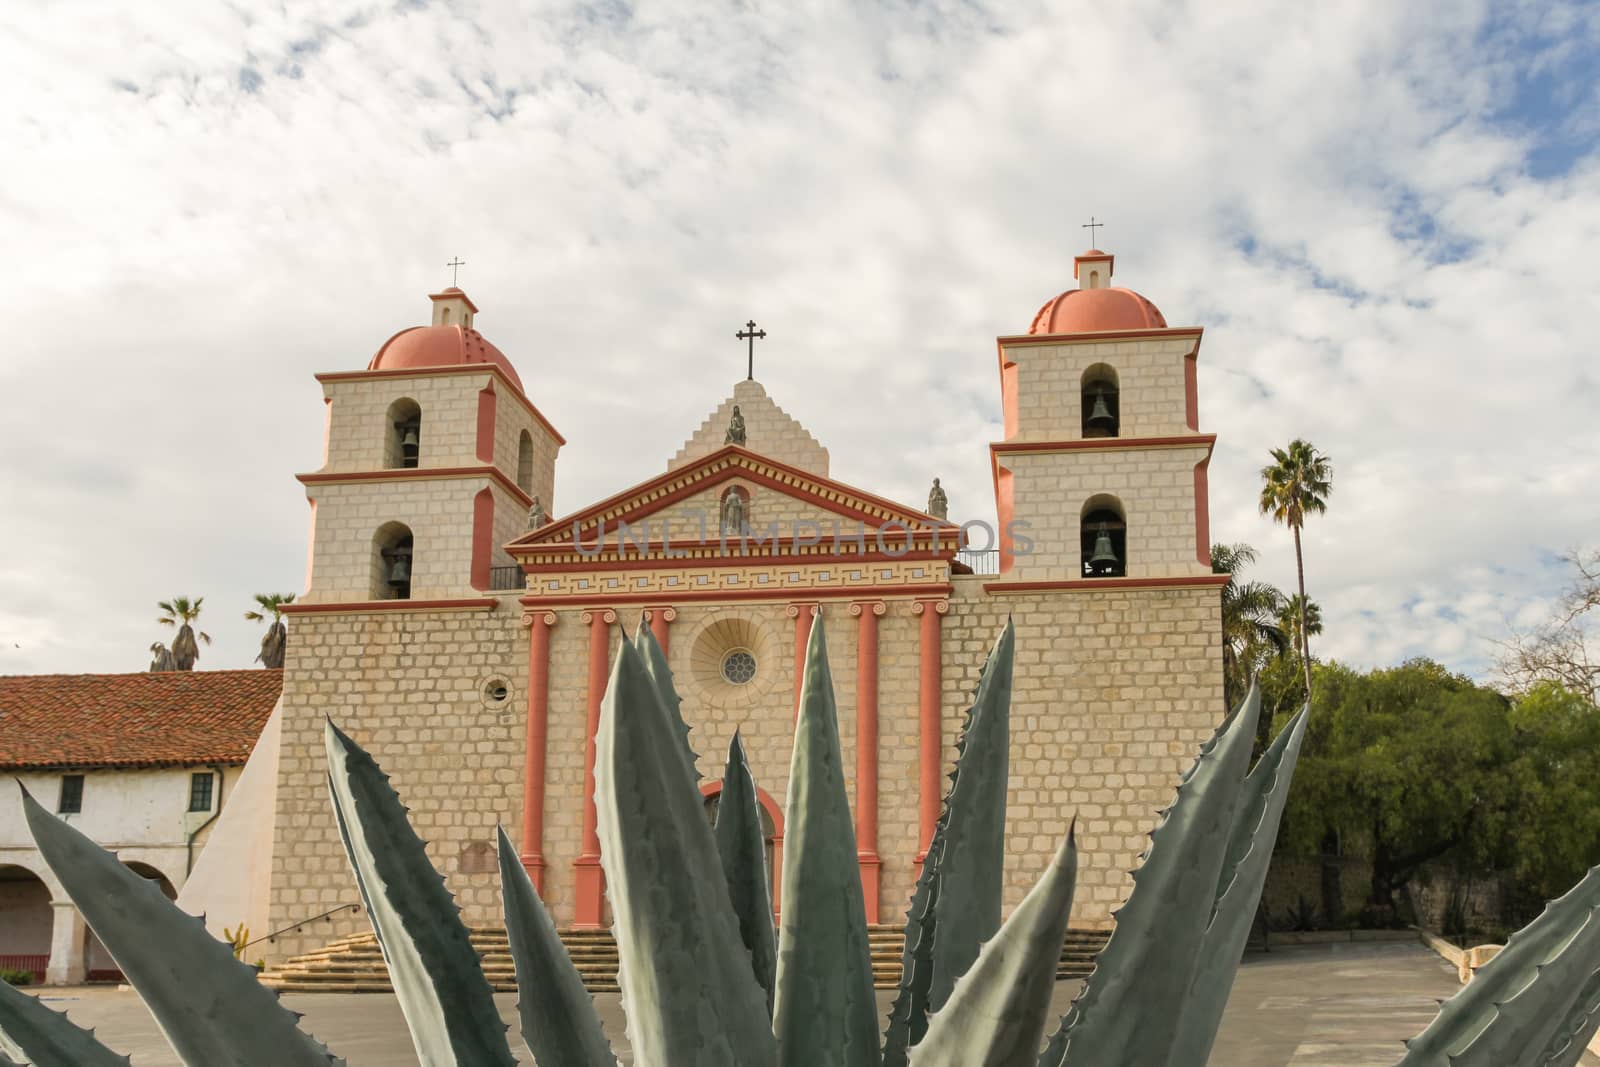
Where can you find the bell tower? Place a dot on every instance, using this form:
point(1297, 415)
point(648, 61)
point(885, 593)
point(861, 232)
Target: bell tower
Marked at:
point(432, 459)
point(1101, 476)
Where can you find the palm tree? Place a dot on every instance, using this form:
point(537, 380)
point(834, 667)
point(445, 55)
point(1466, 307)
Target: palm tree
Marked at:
point(275, 641)
point(181, 612)
point(1251, 628)
point(1296, 484)
point(1289, 619)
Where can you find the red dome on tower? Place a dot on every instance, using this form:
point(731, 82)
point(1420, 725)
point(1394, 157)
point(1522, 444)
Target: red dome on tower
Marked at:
point(448, 343)
point(1096, 306)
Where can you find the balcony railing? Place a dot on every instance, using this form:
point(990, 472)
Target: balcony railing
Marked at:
point(506, 577)
point(980, 560)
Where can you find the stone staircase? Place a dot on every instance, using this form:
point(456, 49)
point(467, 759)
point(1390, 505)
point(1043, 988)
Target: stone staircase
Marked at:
point(355, 965)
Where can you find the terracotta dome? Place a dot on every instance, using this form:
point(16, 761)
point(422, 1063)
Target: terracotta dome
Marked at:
point(1092, 310)
point(440, 346)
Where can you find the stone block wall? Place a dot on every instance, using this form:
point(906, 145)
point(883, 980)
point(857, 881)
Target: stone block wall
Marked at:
point(769, 430)
point(359, 427)
point(1115, 692)
point(1150, 378)
point(1155, 486)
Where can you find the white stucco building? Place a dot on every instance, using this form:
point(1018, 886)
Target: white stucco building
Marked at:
point(142, 763)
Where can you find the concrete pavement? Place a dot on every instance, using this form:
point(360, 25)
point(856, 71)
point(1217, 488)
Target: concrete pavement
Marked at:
point(1348, 1004)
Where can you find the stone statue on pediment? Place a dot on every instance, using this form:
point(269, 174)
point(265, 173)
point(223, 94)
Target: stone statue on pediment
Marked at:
point(735, 435)
point(735, 517)
point(536, 515)
point(938, 503)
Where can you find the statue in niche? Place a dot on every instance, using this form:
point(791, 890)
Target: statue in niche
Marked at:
point(735, 517)
point(536, 515)
point(735, 435)
point(938, 503)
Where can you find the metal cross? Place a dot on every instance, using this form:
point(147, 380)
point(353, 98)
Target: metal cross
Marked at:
point(750, 333)
point(1091, 226)
point(455, 265)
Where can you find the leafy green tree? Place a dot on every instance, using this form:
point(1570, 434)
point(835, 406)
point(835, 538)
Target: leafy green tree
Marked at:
point(275, 642)
point(1295, 484)
point(1252, 630)
point(1408, 762)
point(181, 612)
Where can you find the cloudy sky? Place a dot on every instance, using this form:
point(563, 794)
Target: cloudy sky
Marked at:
point(1385, 215)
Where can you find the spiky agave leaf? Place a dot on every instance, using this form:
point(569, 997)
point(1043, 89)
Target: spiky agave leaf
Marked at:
point(996, 1014)
point(31, 1033)
point(908, 1015)
point(1127, 1012)
point(1474, 1027)
point(209, 1005)
point(932, 958)
point(1244, 873)
point(742, 843)
point(559, 1022)
point(687, 986)
point(447, 1002)
point(655, 664)
point(973, 849)
point(825, 1014)
point(1571, 1039)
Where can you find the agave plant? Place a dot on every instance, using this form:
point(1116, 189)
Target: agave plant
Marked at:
point(706, 980)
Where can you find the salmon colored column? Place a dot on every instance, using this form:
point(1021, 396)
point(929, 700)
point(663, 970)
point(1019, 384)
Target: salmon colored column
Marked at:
point(538, 623)
point(867, 615)
point(802, 614)
point(589, 878)
point(930, 746)
point(660, 618)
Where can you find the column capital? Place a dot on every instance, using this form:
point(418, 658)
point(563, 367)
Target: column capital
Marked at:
point(539, 615)
point(941, 606)
point(878, 607)
point(593, 615)
point(666, 612)
point(809, 607)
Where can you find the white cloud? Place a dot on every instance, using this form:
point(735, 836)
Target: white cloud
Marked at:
point(205, 205)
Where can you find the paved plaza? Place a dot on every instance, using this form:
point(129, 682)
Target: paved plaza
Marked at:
point(1349, 1005)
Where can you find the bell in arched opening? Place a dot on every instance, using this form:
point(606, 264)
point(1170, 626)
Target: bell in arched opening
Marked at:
point(1104, 544)
point(1100, 417)
point(410, 443)
point(399, 577)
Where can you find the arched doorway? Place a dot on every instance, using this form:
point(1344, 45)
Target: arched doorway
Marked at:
point(26, 920)
point(101, 967)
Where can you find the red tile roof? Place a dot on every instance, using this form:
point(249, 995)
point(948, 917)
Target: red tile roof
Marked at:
point(171, 718)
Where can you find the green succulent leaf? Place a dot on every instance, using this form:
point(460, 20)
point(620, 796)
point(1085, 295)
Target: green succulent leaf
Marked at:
point(825, 1014)
point(1127, 1012)
point(32, 1033)
point(209, 1005)
point(559, 1022)
point(1244, 873)
point(447, 1002)
point(655, 664)
point(742, 843)
point(971, 862)
point(687, 985)
point(908, 1015)
point(1542, 974)
point(1572, 1037)
point(996, 1014)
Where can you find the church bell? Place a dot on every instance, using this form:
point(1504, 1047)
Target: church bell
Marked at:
point(1103, 552)
point(400, 571)
point(408, 445)
point(1100, 414)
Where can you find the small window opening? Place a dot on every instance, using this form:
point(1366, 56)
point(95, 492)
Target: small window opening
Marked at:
point(200, 786)
point(71, 794)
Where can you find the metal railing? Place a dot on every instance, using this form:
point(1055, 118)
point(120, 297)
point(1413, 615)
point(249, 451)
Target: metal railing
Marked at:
point(506, 577)
point(980, 560)
point(326, 916)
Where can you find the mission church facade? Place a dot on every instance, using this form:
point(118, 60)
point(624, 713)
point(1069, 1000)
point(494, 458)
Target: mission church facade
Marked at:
point(465, 636)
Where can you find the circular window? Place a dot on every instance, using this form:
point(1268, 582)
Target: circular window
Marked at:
point(496, 693)
point(738, 667)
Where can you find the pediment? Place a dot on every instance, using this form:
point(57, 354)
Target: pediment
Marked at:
point(682, 509)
